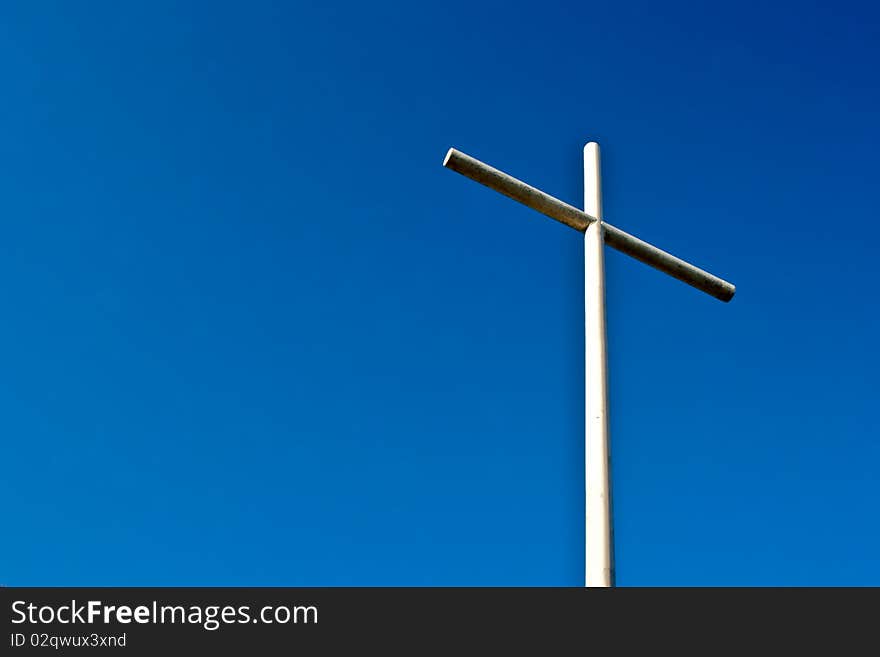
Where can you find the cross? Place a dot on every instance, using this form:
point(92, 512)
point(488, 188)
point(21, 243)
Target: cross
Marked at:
point(599, 547)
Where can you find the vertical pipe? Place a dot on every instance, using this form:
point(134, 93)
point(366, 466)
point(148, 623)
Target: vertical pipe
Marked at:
point(599, 563)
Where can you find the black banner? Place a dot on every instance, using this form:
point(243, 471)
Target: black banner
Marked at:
point(416, 620)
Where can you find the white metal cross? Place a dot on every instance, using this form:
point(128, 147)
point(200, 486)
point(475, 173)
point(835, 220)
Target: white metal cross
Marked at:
point(599, 544)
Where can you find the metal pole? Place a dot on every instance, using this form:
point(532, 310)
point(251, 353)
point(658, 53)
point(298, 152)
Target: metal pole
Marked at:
point(579, 220)
point(599, 557)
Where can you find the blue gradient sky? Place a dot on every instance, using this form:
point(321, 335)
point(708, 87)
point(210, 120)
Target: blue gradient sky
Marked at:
point(253, 333)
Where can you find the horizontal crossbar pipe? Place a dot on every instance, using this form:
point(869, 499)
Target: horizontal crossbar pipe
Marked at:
point(579, 220)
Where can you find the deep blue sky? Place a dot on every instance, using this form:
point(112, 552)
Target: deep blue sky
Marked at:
point(253, 333)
